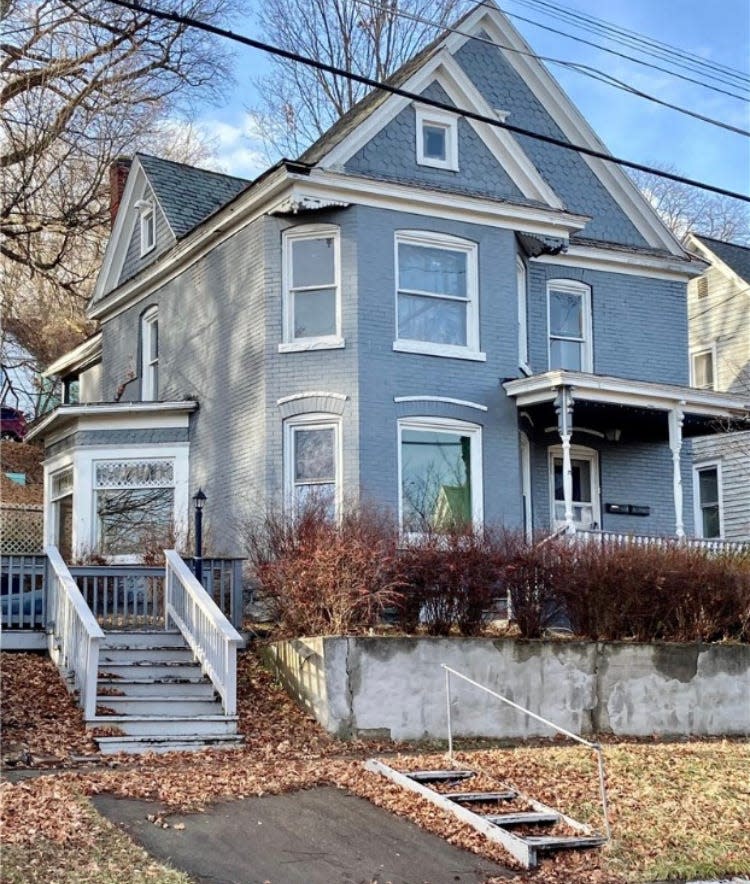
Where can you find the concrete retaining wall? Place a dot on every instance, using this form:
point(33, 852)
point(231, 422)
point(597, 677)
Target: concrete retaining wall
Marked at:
point(395, 688)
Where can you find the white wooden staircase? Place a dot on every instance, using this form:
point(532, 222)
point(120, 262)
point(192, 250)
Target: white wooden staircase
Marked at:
point(152, 690)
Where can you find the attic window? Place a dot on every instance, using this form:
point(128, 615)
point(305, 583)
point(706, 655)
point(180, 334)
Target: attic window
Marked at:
point(437, 139)
point(148, 225)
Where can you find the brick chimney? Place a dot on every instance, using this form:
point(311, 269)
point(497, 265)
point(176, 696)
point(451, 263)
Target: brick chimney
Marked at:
point(118, 175)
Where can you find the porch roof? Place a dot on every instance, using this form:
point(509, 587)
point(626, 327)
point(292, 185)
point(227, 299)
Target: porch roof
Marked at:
point(119, 413)
point(80, 357)
point(704, 405)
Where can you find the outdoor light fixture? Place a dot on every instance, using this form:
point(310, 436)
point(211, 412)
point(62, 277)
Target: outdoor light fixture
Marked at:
point(199, 501)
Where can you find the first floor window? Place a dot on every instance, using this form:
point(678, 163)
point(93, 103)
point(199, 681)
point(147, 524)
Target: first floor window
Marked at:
point(440, 475)
point(708, 500)
point(134, 504)
point(312, 463)
point(569, 313)
point(311, 283)
point(585, 481)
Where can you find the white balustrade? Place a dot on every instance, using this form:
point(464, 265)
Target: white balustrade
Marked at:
point(712, 546)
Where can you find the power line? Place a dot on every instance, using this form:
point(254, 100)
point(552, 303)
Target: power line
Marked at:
point(583, 69)
point(188, 21)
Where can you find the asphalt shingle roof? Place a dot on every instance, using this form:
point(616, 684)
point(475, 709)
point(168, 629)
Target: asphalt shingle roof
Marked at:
point(188, 195)
point(736, 257)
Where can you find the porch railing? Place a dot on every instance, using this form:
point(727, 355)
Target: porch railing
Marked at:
point(212, 638)
point(76, 636)
point(709, 545)
point(23, 594)
point(122, 596)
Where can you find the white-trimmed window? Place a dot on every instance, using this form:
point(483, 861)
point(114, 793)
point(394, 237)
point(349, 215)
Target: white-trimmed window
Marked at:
point(312, 287)
point(312, 462)
point(523, 339)
point(147, 215)
point(584, 468)
point(569, 324)
point(150, 355)
point(439, 474)
point(437, 138)
point(707, 500)
point(436, 295)
point(702, 363)
point(133, 503)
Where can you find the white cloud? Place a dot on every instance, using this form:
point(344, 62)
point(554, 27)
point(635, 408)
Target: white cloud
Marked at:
point(239, 148)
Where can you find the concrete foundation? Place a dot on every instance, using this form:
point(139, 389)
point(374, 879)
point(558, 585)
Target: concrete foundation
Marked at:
point(381, 687)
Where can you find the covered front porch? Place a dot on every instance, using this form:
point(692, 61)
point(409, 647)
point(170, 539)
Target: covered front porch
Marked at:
point(609, 454)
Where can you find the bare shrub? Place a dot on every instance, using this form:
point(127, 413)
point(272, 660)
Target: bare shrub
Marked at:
point(534, 575)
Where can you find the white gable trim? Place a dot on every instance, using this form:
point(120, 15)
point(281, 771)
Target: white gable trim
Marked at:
point(614, 261)
point(445, 70)
point(714, 261)
point(569, 119)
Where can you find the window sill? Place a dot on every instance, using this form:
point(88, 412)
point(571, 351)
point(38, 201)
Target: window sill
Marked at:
point(444, 350)
point(313, 344)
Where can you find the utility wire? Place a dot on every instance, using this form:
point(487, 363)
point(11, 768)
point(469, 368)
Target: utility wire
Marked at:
point(188, 21)
point(584, 69)
point(641, 42)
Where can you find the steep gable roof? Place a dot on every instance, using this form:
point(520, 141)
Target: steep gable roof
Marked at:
point(186, 194)
point(735, 256)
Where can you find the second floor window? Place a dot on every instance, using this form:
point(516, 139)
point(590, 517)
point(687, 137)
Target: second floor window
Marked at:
point(703, 369)
point(436, 280)
point(312, 296)
point(150, 355)
point(569, 323)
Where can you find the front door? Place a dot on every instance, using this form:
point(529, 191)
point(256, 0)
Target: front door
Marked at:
point(585, 473)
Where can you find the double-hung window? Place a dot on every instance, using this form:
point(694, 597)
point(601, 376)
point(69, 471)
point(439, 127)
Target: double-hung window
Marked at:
point(150, 355)
point(312, 459)
point(147, 213)
point(702, 368)
point(436, 295)
point(707, 500)
point(312, 288)
point(569, 323)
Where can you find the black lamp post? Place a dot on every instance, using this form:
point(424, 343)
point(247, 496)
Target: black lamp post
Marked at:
point(199, 500)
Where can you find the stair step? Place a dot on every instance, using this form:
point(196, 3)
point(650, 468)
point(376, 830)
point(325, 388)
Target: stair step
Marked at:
point(166, 725)
point(563, 842)
point(194, 687)
point(176, 743)
point(166, 704)
point(145, 656)
point(129, 671)
point(478, 797)
point(507, 820)
point(437, 776)
point(143, 639)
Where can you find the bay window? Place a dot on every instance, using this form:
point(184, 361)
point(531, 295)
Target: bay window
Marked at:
point(312, 459)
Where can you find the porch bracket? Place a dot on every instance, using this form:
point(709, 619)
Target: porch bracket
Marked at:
point(564, 409)
point(676, 417)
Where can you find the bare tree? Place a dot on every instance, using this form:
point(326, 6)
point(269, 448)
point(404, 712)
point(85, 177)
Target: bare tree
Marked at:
point(368, 37)
point(84, 81)
point(685, 209)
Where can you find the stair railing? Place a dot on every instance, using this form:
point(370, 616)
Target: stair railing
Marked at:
point(211, 637)
point(560, 730)
point(74, 634)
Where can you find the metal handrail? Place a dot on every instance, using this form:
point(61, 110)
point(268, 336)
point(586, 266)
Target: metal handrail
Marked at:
point(596, 747)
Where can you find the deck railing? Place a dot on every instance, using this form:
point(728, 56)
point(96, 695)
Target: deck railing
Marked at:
point(709, 545)
point(75, 634)
point(23, 595)
point(122, 596)
point(212, 638)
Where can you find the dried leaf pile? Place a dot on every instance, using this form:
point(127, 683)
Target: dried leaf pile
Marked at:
point(677, 809)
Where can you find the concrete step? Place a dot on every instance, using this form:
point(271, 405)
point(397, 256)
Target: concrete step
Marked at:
point(145, 655)
point(166, 725)
point(146, 638)
point(176, 743)
point(166, 704)
point(144, 671)
point(194, 687)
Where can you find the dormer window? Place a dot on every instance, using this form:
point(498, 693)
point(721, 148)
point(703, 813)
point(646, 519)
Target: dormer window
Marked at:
point(148, 224)
point(437, 139)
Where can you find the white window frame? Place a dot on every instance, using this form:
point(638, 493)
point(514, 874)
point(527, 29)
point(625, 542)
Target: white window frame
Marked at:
point(523, 332)
point(447, 425)
point(574, 287)
point(698, 504)
point(147, 215)
point(702, 351)
point(429, 116)
point(149, 366)
point(577, 452)
point(430, 239)
point(290, 343)
point(314, 421)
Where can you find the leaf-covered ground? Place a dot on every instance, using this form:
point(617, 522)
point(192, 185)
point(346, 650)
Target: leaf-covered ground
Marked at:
point(677, 809)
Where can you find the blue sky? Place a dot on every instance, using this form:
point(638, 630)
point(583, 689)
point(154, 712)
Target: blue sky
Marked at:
point(630, 127)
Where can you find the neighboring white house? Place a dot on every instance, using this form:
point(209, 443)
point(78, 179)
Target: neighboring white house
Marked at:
point(719, 321)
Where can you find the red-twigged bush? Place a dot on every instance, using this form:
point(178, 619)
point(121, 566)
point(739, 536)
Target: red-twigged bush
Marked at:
point(533, 577)
point(321, 577)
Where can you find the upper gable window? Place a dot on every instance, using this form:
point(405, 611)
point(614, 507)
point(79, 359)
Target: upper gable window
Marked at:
point(437, 139)
point(569, 323)
point(436, 296)
point(312, 289)
point(147, 213)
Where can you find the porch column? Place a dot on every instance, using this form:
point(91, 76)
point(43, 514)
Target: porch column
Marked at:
point(564, 409)
point(675, 419)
